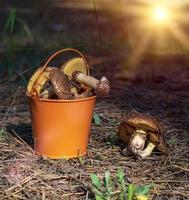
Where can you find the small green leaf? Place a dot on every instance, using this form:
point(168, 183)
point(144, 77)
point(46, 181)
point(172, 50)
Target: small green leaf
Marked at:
point(131, 191)
point(2, 130)
point(95, 181)
point(122, 184)
point(108, 182)
point(107, 178)
point(97, 192)
point(145, 189)
point(97, 197)
point(2, 133)
point(120, 175)
point(96, 119)
point(121, 180)
point(172, 141)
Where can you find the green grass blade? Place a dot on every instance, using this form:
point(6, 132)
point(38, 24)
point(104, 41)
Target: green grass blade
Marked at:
point(131, 191)
point(10, 21)
point(95, 181)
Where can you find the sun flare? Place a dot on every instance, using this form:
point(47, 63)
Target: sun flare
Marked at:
point(160, 15)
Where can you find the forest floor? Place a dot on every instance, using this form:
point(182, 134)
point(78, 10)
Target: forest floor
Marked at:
point(158, 86)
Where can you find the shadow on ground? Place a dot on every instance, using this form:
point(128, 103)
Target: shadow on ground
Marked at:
point(22, 131)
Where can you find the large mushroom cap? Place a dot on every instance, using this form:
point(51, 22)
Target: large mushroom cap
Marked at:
point(39, 78)
point(74, 64)
point(151, 126)
point(125, 131)
point(144, 122)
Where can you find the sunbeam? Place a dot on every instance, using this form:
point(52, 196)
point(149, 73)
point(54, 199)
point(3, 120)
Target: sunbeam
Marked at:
point(140, 50)
point(179, 35)
point(164, 21)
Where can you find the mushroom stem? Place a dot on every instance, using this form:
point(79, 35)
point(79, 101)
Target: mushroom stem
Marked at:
point(86, 79)
point(137, 141)
point(147, 151)
point(47, 93)
point(102, 86)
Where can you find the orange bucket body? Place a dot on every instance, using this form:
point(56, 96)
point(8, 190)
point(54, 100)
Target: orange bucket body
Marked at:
point(61, 127)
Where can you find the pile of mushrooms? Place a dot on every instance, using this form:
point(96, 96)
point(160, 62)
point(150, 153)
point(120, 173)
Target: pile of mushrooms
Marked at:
point(142, 134)
point(70, 81)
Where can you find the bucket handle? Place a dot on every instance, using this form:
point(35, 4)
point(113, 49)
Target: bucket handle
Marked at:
point(51, 57)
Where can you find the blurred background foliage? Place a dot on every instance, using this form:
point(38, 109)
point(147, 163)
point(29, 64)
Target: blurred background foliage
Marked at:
point(32, 30)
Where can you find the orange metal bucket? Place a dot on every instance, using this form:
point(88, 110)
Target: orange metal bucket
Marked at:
point(61, 127)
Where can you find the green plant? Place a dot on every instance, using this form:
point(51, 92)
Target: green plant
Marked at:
point(9, 28)
point(81, 160)
point(144, 189)
point(131, 191)
point(103, 191)
point(121, 184)
point(108, 188)
point(112, 139)
point(96, 119)
point(15, 60)
point(9, 25)
point(2, 133)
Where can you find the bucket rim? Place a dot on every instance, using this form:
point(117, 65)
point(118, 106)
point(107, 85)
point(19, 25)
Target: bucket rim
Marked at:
point(62, 100)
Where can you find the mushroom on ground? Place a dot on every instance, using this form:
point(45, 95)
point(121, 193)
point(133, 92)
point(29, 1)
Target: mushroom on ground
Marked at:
point(101, 87)
point(142, 134)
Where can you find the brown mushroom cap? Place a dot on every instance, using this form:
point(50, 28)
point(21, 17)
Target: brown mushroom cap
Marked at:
point(125, 131)
point(151, 126)
point(61, 84)
point(144, 122)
